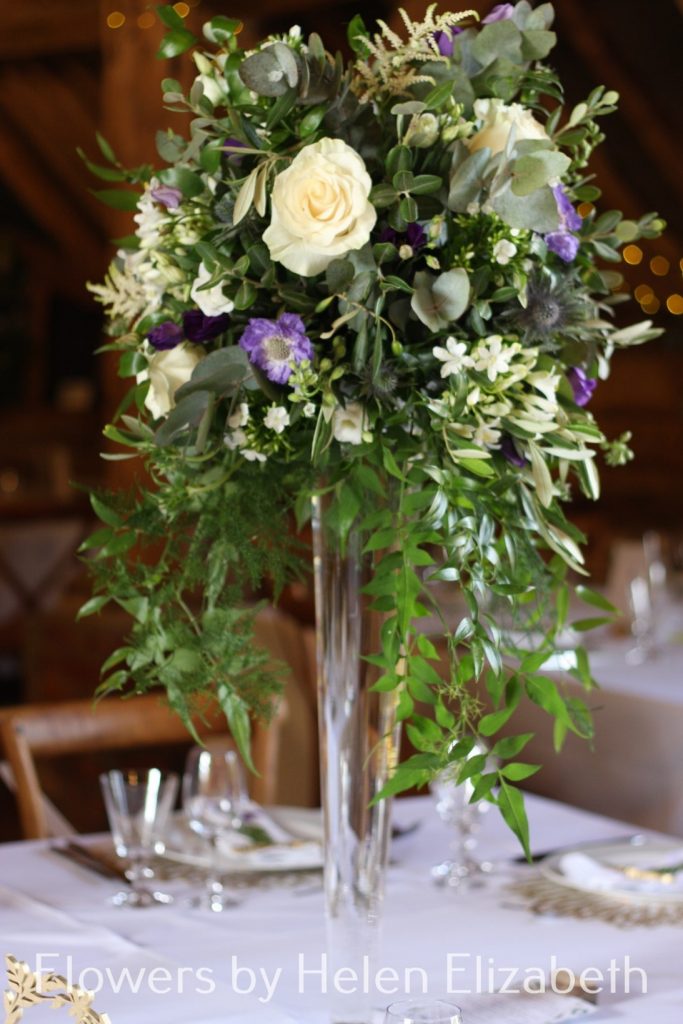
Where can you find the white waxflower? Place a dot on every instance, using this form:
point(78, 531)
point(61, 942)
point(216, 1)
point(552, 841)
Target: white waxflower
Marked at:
point(486, 435)
point(295, 32)
point(150, 218)
point(309, 409)
point(503, 251)
point(235, 439)
point(277, 418)
point(546, 382)
point(167, 371)
point(474, 396)
point(240, 417)
point(347, 423)
point(454, 357)
point(492, 357)
point(211, 301)
point(253, 456)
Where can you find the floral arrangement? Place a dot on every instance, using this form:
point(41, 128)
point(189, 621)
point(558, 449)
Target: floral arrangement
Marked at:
point(369, 278)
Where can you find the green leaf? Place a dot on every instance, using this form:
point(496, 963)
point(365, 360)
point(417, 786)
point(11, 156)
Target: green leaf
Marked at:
point(424, 184)
point(595, 599)
point(105, 173)
point(439, 301)
point(534, 170)
point(104, 512)
point(118, 198)
point(222, 372)
point(468, 180)
point(511, 804)
point(169, 17)
point(189, 182)
point(94, 605)
point(185, 415)
point(439, 95)
point(534, 212)
point(519, 771)
point(511, 746)
point(383, 195)
point(174, 43)
point(356, 34)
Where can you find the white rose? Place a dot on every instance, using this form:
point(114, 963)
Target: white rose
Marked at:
point(320, 208)
point(211, 301)
point(166, 372)
point(348, 422)
point(499, 118)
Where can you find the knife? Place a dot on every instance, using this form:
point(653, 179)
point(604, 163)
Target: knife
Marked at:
point(89, 860)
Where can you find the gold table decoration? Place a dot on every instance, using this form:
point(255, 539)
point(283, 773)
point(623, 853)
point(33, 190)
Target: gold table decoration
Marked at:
point(27, 989)
point(543, 896)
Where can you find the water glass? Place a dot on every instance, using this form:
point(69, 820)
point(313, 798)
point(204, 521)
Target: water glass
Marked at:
point(431, 1011)
point(454, 808)
point(138, 805)
point(214, 800)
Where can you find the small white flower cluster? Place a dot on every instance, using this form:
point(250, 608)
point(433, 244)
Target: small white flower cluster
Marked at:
point(238, 439)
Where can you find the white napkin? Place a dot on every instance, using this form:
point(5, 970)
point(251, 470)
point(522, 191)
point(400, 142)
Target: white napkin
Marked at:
point(592, 874)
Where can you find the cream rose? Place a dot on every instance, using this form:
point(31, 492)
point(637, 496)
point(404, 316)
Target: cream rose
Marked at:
point(166, 372)
point(320, 208)
point(498, 120)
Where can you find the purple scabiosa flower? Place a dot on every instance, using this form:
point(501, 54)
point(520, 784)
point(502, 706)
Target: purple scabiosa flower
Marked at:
point(165, 336)
point(199, 327)
point(563, 243)
point(582, 385)
point(501, 12)
point(508, 450)
point(167, 195)
point(273, 345)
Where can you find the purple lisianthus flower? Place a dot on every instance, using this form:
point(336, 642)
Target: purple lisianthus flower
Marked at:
point(168, 196)
point(501, 12)
point(237, 143)
point(414, 236)
point(273, 345)
point(165, 336)
point(508, 450)
point(444, 40)
point(570, 220)
point(199, 327)
point(563, 243)
point(582, 385)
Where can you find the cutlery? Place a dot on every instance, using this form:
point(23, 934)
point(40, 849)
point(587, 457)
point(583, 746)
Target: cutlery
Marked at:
point(88, 859)
point(635, 839)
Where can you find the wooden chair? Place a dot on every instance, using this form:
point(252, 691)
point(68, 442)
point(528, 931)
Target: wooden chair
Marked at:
point(81, 727)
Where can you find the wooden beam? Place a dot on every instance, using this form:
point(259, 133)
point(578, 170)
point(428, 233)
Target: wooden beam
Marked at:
point(33, 28)
point(42, 196)
point(24, 87)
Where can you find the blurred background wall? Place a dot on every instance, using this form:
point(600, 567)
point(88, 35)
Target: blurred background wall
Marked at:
point(71, 67)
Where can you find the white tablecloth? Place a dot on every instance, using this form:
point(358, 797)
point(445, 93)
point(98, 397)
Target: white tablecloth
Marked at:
point(50, 907)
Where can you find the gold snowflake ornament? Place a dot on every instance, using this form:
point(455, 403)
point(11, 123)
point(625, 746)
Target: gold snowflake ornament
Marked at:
point(27, 989)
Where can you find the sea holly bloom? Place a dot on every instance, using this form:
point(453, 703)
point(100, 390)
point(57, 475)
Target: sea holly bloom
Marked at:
point(165, 336)
point(454, 357)
point(581, 385)
point(199, 327)
point(167, 195)
point(275, 346)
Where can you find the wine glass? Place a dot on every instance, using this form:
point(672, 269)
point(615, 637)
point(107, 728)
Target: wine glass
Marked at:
point(454, 808)
point(214, 798)
point(138, 804)
point(642, 621)
point(430, 1011)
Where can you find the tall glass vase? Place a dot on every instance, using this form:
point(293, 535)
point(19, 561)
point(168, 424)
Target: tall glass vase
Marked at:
point(359, 740)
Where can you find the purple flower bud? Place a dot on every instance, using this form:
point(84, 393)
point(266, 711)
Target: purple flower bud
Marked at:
point(563, 244)
point(165, 336)
point(508, 450)
point(501, 12)
point(199, 327)
point(444, 40)
point(582, 386)
point(415, 236)
point(236, 143)
point(168, 196)
point(388, 235)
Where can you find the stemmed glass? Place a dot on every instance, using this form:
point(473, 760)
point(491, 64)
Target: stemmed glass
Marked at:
point(432, 1011)
point(214, 798)
point(642, 621)
point(138, 805)
point(454, 808)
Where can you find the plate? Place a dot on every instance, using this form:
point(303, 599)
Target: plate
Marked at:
point(642, 853)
